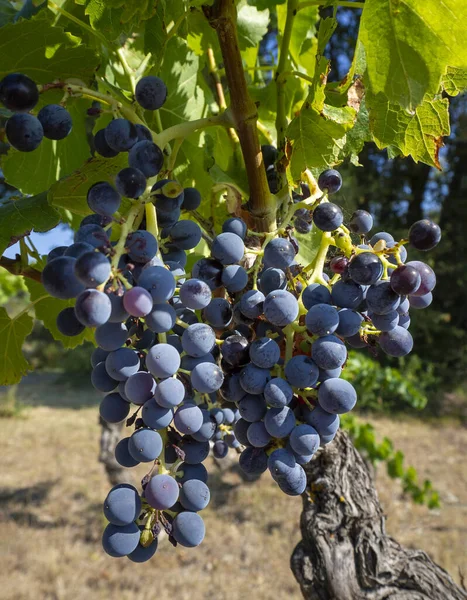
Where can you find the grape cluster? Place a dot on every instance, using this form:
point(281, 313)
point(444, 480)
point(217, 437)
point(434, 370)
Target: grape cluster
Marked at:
point(244, 351)
point(24, 131)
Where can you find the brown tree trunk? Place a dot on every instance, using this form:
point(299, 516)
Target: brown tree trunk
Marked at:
point(345, 553)
point(110, 436)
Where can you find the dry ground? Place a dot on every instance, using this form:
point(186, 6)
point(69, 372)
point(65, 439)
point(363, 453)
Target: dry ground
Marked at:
point(50, 515)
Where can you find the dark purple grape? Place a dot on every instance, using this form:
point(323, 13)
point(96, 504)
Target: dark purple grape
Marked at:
point(18, 92)
point(150, 92)
point(56, 121)
point(405, 280)
point(330, 181)
point(328, 216)
point(424, 235)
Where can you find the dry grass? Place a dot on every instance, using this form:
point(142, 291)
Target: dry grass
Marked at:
point(50, 502)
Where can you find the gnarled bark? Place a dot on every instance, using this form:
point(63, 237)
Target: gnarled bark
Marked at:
point(110, 436)
point(345, 553)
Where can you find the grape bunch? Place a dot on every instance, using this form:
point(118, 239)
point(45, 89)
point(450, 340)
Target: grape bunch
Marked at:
point(24, 131)
point(244, 350)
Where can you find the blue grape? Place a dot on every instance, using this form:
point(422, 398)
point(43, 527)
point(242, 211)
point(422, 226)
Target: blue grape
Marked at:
point(220, 449)
point(206, 378)
point(231, 389)
point(78, 249)
point(170, 393)
point(161, 318)
point(145, 445)
point(143, 132)
point(103, 199)
point(163, 360)
point(92, 234)
point(92, 308)
point(235, 225)
point(218, 313)
point(208, 270)
point(385, 322)
point(121, 135)
point(137, 301)
point(186, 472)
point(228, 248)
point(428, 277)
point(92, 269)
point(188, 418)
point(190, 362)
point(258, 435)
point(279, 253)
point(120, 541)
point(195, 294)
point(141, 246)
point(315, 293)
point(56, 252)
point(424, 235)
point(191, 199)
point(56, 121)
point(130, 182)
point(208, 428)
point(404, 320)
point(142, 554)
point(355, 341)
point(150, 92)
point(241, 431)
point(381, 298)
point(264, 353)
point(118, 312)
point(101, 380)
point(253, 379)
point(278, 393)
point(122, 505)
point(68, 324)
point(280, 308)
point(251, 304)
point(159, 282)
point(102, 147)
point(155, 416)
point(194, 495)
point(324, 422)
point(366, 268)
point(301, 371)
point(325, 374)
point(195, 452)
point(59, 279)
point(337, 396)
point(122, 363)
point(361, 222)
point(18, 92)
point(269, 154)
point(162, 492)
point(329, 352)
point(234, 350)
point(24, 132)
point(347, 294)
point(404, 306)
point(280, 463)
point(349, 322)
point(147, 157)
point(122, 454)
point(382, 235)
point(252, 408)
point(322, 319)
point(185, 235)
point(272, 279)
point(188, 529)
point(234, 278)
point(421, 301)
point(302, 226)
point(140, 387)
point(253, 461)
point(293, 483)
point(327, 216)
point(304, 440)
point(397, 342)
point(330, 181)
point(98, 355)
point(198, 339)
point(279, 422)
point(405, 280)
point(113, 408)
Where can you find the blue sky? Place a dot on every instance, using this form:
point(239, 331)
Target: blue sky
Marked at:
point(61, 235)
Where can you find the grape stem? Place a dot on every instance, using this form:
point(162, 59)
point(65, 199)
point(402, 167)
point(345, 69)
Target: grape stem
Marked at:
point(126, 228)
point(15, 267)
point(289, 342)
point(317, 265)
point(183, 130)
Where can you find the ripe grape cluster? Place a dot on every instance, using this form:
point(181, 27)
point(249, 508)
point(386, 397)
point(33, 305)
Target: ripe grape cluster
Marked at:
point(244, 350)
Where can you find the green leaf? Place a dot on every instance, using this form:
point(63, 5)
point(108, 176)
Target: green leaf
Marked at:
point(357, 136)
point(52, 160)
point(70, 193)
point(47, 308)
point(318, 138)
point(252, 24)
point(417, 133)
point(19, 217)
point(7, 12)
point(13, 332)
point(409, 45)
point(43, 52)
point(455, 81)
point(395, 466)
point(303, 43)
point(308, 244)
point(155, 34)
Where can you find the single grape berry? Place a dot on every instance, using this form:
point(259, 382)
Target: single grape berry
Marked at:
point(339, 264)
point(18, 92)
point(147, 157)
point(361, 222)
point(424, 235)
point(102, 147)
point(56, 121)
point(130, 182)
point(330, 181)
point(328, 216)
point(103, 199)
point(24, 132)
point(121, 135)
point(151, 92)
point(405, 280)
point(366, 268)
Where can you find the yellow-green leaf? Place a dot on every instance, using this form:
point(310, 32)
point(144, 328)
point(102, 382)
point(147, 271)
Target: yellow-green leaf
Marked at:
point(13, 332)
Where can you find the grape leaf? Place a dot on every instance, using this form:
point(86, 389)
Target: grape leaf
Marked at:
point(416, 133)
point(47, 308)
point(7, 12)
point(409, 44)
point(70, 193)
point(357, 136)
point(20, 217)
point(44, 52)
point(52, 159)
point(318, 138)
point(455, 81)
point(252, 24)
point(155, 34)
point(13, 332)
point(308, 244)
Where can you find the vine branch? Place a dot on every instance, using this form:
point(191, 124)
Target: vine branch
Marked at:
point(15, 267)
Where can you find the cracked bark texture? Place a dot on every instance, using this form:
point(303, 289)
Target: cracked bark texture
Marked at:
point(345, 553)
point(110, 436)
